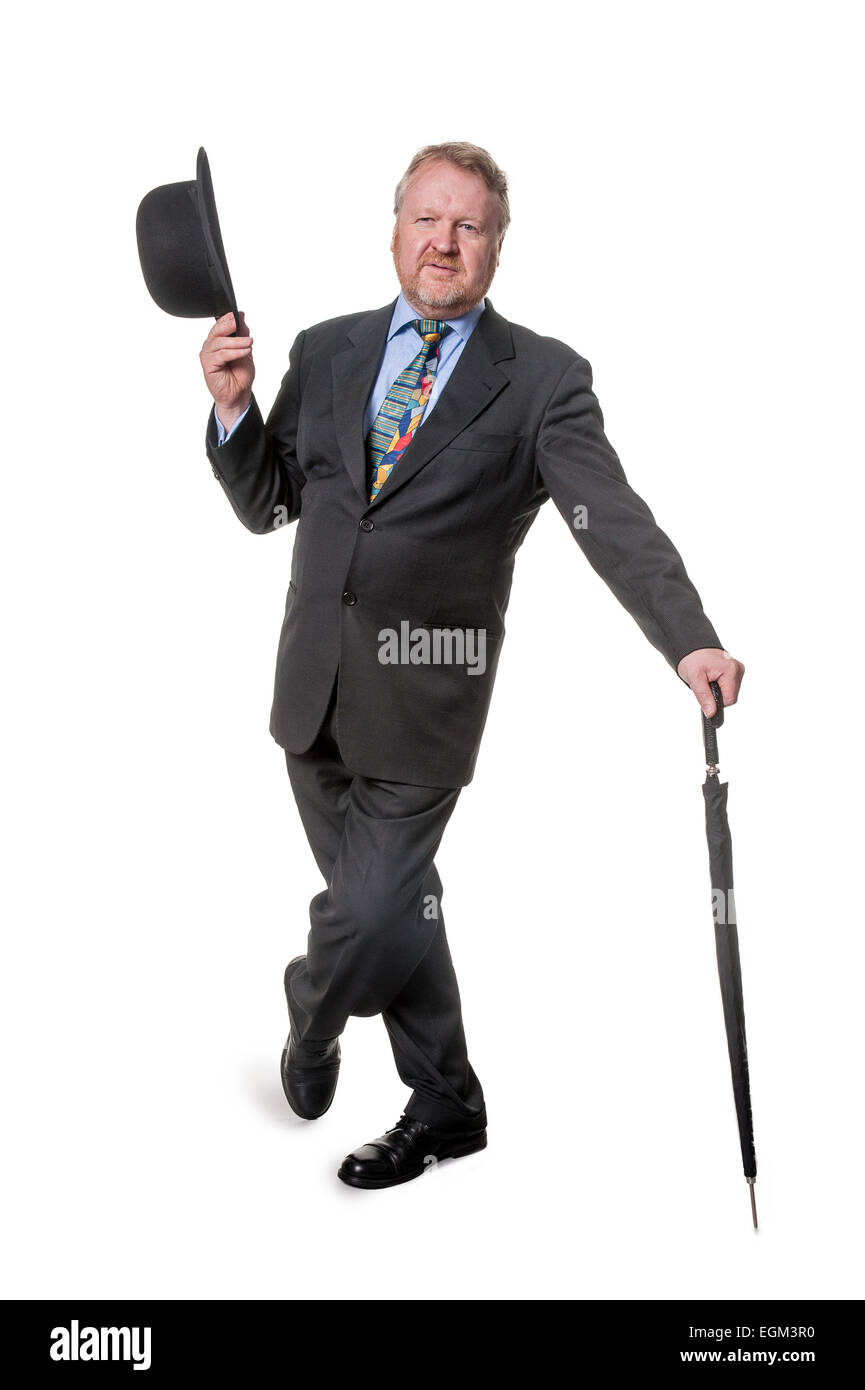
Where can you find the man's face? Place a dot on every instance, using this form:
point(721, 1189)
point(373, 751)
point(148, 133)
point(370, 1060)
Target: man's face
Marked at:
point(445, 242)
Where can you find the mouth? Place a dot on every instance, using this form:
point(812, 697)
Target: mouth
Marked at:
point(442, 269)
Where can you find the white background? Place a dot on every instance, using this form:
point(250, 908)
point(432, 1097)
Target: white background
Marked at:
point(685, 186)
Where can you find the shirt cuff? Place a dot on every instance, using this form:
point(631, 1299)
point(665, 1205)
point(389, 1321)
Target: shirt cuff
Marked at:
point(221, 434)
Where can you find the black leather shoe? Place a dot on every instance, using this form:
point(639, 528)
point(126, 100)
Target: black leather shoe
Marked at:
point(309, 1070)
point(406, 1151)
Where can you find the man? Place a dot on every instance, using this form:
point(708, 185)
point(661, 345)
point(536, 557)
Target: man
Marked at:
point(415, 444)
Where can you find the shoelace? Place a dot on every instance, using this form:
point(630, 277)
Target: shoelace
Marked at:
point(409, 1125)
point(307, 1050)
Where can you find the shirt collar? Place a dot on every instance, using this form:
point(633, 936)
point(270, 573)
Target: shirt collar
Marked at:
point(404, 313)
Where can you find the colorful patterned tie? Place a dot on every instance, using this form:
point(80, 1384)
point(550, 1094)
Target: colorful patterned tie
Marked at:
point(403, 407)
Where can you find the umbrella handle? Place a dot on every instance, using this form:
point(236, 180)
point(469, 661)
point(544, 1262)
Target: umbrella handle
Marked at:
point(710, 737)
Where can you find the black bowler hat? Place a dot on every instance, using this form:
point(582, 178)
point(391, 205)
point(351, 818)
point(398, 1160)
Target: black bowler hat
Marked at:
point(180, 248)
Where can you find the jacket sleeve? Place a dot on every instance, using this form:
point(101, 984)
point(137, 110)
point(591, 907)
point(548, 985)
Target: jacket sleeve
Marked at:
point(221, 432)
point(613, 526)
point(257, 465)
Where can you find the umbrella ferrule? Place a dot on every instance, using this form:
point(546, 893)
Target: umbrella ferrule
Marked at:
point(751, 1182)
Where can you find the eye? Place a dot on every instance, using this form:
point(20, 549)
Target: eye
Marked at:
point(470, 225)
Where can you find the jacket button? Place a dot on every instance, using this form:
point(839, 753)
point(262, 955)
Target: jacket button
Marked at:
point(366, 524)
point(349, 598)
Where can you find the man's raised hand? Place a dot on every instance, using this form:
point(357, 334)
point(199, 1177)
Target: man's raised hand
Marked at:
point(228, 367)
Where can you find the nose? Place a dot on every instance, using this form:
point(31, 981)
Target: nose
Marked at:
point(445, 240)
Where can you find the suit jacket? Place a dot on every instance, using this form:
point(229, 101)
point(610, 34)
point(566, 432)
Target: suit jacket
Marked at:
point(518, 422)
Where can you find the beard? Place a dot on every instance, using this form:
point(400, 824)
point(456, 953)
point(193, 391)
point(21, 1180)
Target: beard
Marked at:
point(454, 293)
point(450, 295)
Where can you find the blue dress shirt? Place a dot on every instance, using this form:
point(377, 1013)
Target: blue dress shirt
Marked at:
point(402, 347)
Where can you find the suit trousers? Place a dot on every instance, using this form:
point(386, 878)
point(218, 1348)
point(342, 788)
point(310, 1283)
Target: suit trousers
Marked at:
point(377, 941)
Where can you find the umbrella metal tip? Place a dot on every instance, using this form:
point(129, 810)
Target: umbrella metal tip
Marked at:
point(751, 1182)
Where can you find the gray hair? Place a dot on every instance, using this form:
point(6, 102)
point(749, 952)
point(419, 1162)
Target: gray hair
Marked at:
point(465, 156)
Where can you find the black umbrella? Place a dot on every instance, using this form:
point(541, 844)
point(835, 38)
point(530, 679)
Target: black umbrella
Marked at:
point(727, 938)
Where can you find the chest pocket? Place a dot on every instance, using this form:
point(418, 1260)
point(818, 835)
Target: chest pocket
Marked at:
point(473, 441)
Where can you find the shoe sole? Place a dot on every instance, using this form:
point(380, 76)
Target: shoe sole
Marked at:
point(471, 1146)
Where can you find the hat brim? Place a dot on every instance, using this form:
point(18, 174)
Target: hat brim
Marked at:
point(217, 264)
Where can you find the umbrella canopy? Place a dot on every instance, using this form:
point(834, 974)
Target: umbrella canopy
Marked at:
point(727, 938)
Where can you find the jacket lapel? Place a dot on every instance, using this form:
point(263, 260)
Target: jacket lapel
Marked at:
point(474, 382)
point(354, 372)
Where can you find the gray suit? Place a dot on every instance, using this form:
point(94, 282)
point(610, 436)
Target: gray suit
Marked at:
point(378, 750)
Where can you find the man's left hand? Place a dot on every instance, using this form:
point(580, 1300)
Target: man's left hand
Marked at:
point(712, 664)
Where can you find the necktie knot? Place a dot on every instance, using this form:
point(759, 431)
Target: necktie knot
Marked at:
point(431, 330)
